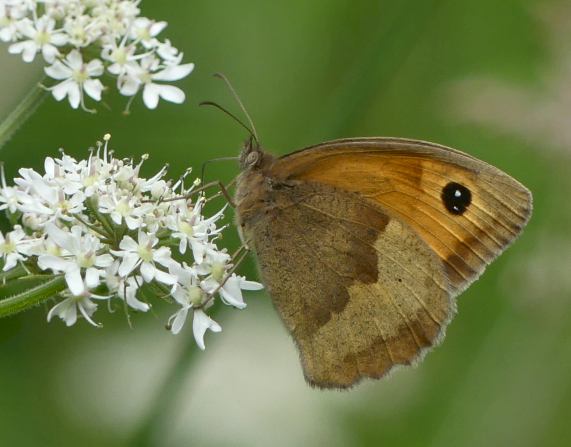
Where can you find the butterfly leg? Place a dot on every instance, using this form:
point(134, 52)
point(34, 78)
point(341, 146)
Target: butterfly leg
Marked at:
point(223, 191)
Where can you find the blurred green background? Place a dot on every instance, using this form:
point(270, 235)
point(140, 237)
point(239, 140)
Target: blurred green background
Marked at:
point(491, 78)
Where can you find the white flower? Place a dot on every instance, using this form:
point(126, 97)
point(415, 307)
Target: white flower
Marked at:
point(126, 208)
point(188, 291)
point(11, 198)
point(80, 256)
point(52, 202)
point(14, 247)
point(125, 288)
point(81, 30)
point(63, 175)
point(41, 37)
point(148, 74)
point(231, 289)
point(169, 54)
point(76, 78)
point(145, 30)
point(122, 57)
point(143, 254)
point(67, 309)
point(10, 17)
point(94, 175)
point(193, 230)
point(216, 263)
point(109, 231)
point(110, 35)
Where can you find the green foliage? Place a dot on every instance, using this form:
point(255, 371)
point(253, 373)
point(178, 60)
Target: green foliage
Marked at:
point(311, 71)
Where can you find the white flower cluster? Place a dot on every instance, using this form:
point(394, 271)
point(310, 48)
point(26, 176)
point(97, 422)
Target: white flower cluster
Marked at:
point(81, 40)
point(113, 234)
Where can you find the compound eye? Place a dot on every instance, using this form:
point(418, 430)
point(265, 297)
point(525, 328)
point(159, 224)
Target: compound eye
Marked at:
point(252, 158)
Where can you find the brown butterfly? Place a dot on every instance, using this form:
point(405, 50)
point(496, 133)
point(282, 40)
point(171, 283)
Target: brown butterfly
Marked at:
point(364, 244)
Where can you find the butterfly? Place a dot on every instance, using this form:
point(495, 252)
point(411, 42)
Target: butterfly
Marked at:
point(364, 244)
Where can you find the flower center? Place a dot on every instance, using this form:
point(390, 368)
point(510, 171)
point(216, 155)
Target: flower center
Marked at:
point(123, 208)
point(143, 34)
point(145, 253)
point(52, 249)
point(64, 206)
point(120, 56)
point(186, 228)
point(80, 76)
point(7, 247)
point(90, 181)
point(78, 33)
point(218, 270)
point(145, 77)
point(86, 260)
point(195, 295)
point(42, 38)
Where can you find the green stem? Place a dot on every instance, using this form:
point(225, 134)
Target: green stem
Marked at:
point(32, 297)
point(157, 418)
point(21, 113)
point(13, 273)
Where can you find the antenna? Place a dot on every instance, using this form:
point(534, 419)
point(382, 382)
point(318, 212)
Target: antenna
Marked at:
point(231, 115)
point(239, 101)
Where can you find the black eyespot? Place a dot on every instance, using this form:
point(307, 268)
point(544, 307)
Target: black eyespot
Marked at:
point(456, 198)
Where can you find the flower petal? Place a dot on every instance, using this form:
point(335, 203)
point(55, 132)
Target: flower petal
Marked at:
point(164, 277)
point(128, 244)
point(173, 73)
point(200, 323)
point(87, 309)
point(61, 238)
point(179, 320)
point(148, 271)
point(135, 303)
point(231, 293)
point(130, 261)
point(151, 95)
point(250, 285)
point(93, 87)
point(172, 94)
point(92, 278)
point(58, 71)
point(75, 281)
point(54, 263)
point(104, 260)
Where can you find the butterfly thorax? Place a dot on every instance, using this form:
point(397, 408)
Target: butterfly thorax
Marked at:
point(254, 185)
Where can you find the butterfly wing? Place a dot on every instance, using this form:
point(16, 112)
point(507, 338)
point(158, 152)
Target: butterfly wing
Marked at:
point(358, 290)
point(466, 210)
point(363, 244)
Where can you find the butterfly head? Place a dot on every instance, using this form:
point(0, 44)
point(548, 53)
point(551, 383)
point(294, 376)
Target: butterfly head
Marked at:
point(252, 156)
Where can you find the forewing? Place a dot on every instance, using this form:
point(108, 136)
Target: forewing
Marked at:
point(407, 178)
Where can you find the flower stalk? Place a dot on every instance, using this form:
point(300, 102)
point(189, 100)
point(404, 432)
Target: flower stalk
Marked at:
point(32, 297)
point(17, 117)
